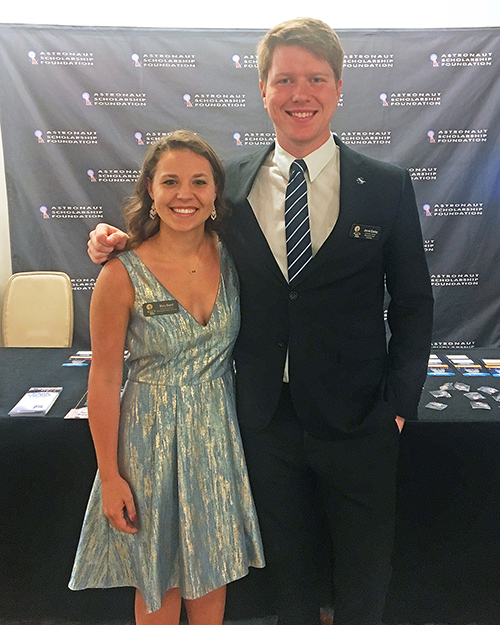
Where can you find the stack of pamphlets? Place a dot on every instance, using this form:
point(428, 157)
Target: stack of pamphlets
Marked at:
point(84, 358)
point(80, 359)
point(36, 402)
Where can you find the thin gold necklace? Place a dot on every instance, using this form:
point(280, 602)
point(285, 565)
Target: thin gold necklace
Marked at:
point(194, 270)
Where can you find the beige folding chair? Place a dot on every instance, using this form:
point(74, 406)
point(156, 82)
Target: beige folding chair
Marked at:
point(38, 310)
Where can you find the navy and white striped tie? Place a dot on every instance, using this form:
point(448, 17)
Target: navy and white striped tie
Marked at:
point(298, 234)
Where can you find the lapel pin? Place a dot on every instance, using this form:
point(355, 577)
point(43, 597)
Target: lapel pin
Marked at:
point(360, 180)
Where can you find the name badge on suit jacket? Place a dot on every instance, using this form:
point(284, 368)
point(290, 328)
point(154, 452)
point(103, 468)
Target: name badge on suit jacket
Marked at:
point(361, 231)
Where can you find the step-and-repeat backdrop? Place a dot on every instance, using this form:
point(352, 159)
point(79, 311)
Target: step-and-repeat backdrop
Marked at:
point(80, 105)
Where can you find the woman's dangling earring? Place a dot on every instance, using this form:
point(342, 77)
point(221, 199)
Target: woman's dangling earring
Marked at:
point(213, 214)
point(152, 211)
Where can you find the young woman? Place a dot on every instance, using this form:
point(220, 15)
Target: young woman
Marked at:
point(171, 512)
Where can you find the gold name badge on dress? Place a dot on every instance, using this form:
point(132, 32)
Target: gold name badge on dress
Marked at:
point(150, 309)
point(359, 231)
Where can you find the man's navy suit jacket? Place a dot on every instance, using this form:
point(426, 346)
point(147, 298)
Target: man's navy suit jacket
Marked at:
point(346, 377)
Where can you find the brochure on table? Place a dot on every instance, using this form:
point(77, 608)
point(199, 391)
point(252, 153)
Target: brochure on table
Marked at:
point(36, 402)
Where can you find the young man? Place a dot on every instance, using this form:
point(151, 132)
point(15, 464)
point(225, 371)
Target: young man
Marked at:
point(321, 398)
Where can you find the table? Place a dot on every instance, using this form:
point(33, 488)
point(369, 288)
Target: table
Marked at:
point(47, 466)
point(24, 367)
point(447, 548)
point(459, 408)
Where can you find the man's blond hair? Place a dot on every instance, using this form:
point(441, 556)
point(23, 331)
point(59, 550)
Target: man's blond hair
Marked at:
point(306, 32)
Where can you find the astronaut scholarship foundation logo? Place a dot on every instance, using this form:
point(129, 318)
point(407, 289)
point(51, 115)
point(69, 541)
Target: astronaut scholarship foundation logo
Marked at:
point(371, 61)
point(82, 284)
point(458, 135)
point(215, 100)
point(61, 58)
point(150, 137)
point(113, 175)
point(366, 137)
point(455, 279)
point(429, 245)
point(456, 209)
point(247, 61)
point(462, 59)
point(74, 137)
point(453, 344)
point(103, 98)
point(67, 211)
point(163, 60)
point(253, 138)
point(423, 173)
point(414, 98)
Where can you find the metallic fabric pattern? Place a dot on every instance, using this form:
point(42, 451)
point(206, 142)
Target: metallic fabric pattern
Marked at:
point(180, 450)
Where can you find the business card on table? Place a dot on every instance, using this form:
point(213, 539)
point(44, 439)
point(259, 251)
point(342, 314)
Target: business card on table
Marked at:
point(36, 402)
point(440, 393)
point(481, 405)
point(436, 405)
point(489, 390)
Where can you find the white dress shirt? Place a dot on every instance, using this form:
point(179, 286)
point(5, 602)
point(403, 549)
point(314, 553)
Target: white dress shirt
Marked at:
point(267, 199)
point(267, 196)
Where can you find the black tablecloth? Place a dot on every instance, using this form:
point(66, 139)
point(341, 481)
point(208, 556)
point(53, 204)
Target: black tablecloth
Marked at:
point(47, 466)
point(459, 407)
point(447, 549)
point(22, 368)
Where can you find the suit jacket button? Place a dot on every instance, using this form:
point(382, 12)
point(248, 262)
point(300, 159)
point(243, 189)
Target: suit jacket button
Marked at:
point(293, 295)
point(281, 343)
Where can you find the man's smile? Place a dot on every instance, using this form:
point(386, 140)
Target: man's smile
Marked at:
point(301, 114)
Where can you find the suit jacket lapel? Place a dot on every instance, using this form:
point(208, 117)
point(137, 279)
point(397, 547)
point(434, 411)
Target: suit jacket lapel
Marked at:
point(243, 218)
point(246, 170)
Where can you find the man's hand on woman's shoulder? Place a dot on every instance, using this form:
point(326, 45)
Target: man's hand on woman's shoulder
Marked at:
point(104, 240)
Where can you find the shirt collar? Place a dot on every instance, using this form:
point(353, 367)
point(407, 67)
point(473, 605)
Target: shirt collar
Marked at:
point(316, 161)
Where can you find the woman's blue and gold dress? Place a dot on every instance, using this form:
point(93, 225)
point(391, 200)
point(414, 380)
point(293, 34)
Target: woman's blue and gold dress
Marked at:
point(180, 451)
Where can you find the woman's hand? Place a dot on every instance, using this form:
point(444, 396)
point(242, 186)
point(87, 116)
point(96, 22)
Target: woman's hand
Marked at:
point(118, 505)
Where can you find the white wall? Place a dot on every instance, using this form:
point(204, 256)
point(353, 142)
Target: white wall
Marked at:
point(238, 14)
point(257, 13)
point(5, 265)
